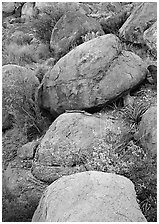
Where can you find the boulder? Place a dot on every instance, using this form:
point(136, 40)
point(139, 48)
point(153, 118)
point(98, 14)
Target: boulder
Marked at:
point(28, 11)
point(112, 24)
point(152, 75)
point(147, 133)
point(8, 7)
point(89, 76)
point(7, 120)
point(142, 17)
point(60, 8)
point(77, 142)
point(150, 37)
point(11, 8)
point(69, 30)
point(89, 197)
point(21, 184)
point(19, 85)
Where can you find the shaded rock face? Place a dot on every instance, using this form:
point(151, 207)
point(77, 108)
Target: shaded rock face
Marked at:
point(89, 197)
point(140, 20)
point(69, 31)
point(72, 143)
point(21, 184)
point(150, 37)
point(89, 76)
point(19, 85)
point(112, 24)
point(153, 74)
point(148, 130)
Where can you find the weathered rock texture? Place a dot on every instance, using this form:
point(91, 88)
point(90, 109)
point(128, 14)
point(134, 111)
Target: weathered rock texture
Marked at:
point(89, 76)
point(27, 151)
point(150, 37)
point(21, 184)
point(76, 142)
point(140, 19)
point(19, 85)
point(148, 130)
point(60, 8)
point(69, 30)
point(89, 197)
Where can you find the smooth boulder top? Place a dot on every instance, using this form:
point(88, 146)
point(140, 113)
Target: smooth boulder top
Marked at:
point(90, 196)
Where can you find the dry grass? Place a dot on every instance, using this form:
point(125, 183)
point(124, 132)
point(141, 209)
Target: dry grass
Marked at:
point(25, 54)
point(14, 54)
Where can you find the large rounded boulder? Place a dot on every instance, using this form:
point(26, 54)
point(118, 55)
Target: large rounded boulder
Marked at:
point(19, 86)
point(69, 30)
point(89, 76)
point(143, 16)
point(89, 197)
point(77, 142)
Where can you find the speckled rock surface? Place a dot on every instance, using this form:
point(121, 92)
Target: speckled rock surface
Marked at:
point(76, 142)
point(89, 197)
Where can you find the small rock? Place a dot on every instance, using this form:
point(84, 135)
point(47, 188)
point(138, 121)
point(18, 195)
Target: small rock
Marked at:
point(153, 72)
point(27, 151)
point(150, 37)
point(147, 133)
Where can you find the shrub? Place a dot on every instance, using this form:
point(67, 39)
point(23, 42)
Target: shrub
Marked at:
point(14, 211)
point(21, 38)
point(19, 55)
point(41, 71)
point(42, 52)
